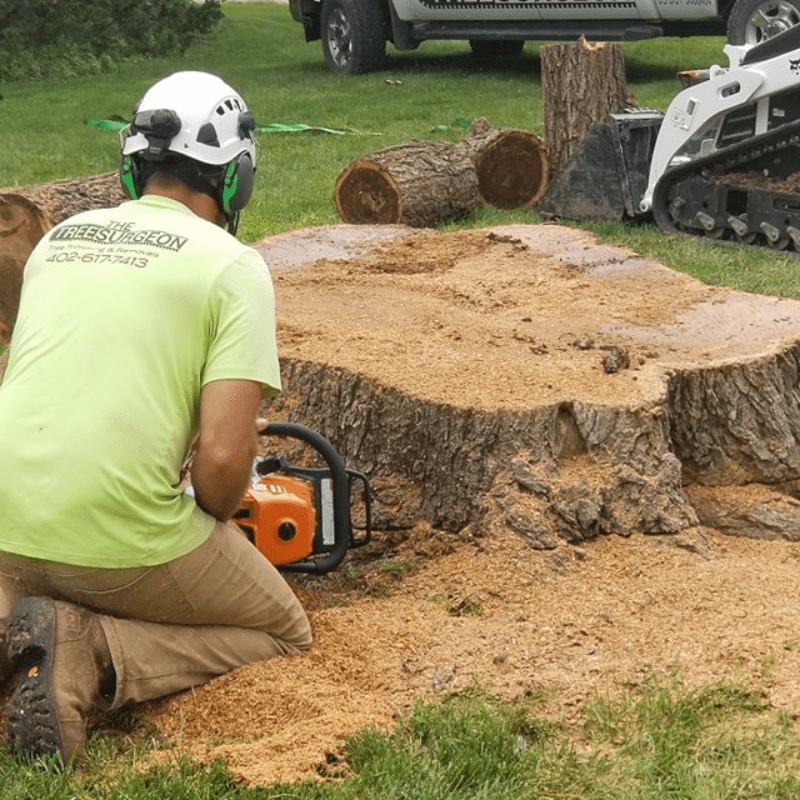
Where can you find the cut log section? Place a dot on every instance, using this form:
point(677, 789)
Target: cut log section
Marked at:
point(590, 176)
point(582, 83)
point(27, 212)
point(511, 165)
point(22, 224)
point(419, 184)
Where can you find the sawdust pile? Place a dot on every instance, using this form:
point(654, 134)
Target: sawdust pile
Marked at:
point(575, 622)
point(420, 613)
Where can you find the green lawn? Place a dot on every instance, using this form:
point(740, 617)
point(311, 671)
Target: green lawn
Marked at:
point(261, 51)
point(714, 743)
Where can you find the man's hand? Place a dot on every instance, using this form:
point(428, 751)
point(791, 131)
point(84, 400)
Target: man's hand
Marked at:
point(226, 445)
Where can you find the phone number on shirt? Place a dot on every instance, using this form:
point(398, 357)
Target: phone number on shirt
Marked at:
point(99, 258)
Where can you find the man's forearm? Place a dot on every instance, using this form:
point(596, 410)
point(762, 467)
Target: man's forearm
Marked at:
point(220, 480)
point(226, 445)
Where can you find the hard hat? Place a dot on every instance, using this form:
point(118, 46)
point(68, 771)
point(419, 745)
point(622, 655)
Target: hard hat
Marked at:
point(200, 117)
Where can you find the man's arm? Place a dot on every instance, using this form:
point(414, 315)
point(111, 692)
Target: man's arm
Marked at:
point(226, 445)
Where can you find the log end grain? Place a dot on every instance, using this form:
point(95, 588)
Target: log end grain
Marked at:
point(512, 170)
point(366, 194)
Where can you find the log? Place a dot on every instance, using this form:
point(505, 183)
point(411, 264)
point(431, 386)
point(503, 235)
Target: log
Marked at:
point(511, 165)
point(419, 184)
point(62, 199)
point(590, 177)
point(27, 212)
point(582, 83)
point(22, 224)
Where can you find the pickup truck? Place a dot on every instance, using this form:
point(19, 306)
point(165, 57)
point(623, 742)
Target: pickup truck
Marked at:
point(354, 33)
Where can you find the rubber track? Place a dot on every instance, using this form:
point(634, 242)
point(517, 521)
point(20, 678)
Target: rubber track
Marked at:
point(725, 160)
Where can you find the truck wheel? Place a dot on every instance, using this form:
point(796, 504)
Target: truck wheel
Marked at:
point(482, 48)
point(353, 35)
point(753, 21)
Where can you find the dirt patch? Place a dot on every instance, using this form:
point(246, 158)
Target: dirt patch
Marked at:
point(500, 319)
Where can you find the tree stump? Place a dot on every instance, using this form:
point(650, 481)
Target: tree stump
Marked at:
point(419, 184)
point(511, 165)
point(582, 83)
point(469, 375)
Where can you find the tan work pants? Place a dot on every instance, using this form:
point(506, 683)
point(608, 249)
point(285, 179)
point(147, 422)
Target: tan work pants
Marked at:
point(178, 624)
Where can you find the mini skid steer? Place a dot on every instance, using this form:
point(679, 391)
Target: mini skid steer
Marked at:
point(723, 162)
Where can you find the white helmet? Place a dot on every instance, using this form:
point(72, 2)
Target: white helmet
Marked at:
point(200, 117)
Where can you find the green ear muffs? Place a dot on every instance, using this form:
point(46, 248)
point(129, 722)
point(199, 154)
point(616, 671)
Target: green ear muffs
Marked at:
point(232, 193)
point(130, 178)
point(237, 184)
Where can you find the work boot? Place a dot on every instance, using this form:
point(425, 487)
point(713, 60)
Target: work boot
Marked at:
point(62, 664)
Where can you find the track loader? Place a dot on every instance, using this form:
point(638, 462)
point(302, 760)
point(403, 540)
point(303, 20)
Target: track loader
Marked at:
point(723, 162)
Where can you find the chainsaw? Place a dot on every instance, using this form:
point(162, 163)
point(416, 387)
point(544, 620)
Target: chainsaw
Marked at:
point(299, 517)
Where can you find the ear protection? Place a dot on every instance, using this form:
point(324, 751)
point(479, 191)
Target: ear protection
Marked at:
point(130, 177)
point(233, 191)
point(236, 185)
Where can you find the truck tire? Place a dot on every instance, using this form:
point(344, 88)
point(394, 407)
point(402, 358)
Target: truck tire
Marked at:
point(353, 35)
point(754, 21)
point(486, 48)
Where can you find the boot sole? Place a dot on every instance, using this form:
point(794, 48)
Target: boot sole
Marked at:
point(33, 727)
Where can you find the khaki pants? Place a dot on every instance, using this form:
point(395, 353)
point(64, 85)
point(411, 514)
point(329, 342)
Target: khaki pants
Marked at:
point(178, 624)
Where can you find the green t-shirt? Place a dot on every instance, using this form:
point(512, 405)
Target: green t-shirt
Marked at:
point(125, 314)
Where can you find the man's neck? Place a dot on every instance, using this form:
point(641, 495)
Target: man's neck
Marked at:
point(198, 202)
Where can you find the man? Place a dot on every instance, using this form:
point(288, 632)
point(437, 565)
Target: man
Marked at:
point(141, 329)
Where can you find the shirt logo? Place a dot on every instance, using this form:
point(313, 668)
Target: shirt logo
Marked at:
point(118, 233)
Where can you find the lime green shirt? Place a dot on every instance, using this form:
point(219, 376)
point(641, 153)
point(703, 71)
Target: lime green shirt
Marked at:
point(126, 313)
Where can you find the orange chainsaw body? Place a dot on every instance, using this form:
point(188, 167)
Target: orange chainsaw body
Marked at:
point(277, 515)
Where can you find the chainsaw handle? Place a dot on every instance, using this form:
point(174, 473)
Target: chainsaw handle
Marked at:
point(341, 495)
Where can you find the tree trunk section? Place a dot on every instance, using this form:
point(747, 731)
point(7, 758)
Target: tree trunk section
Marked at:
point(22, 224)
point(419, 184)
point(582, 83)
point(511, 165)
point(27, 212)
point(62, 199)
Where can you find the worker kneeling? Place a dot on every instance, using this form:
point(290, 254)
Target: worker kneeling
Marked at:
point(141, 329)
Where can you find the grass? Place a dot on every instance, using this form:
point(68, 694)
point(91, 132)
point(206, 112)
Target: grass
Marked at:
point(657, 740)
point(261, 51)
point(661, 740)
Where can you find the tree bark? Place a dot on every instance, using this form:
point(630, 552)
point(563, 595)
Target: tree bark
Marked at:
point(553, 474)
point(27, 212)
point(581, 84)
point(62, 199)
point(511, 165)
point(419, 184)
